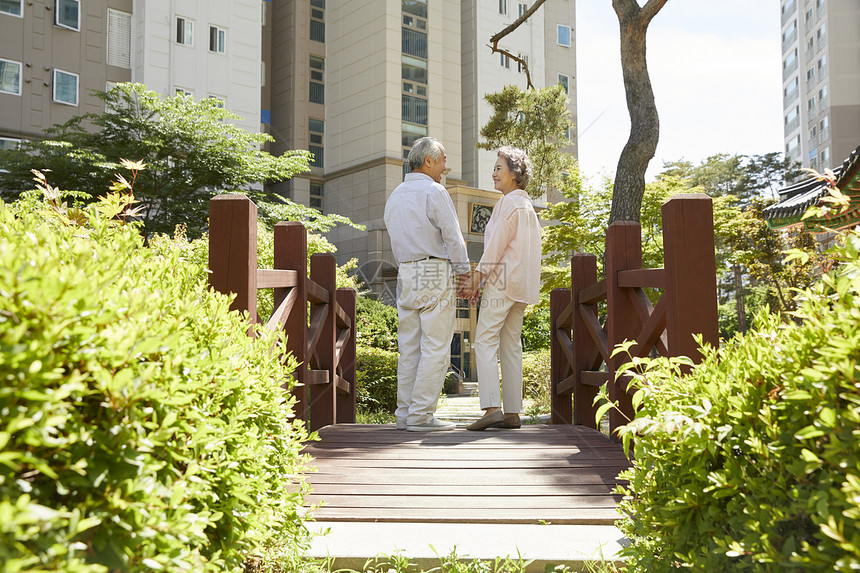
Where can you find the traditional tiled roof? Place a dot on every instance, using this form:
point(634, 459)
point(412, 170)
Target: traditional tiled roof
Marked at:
point(795, 199)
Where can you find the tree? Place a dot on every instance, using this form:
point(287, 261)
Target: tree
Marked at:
point(190, 147)
point(537, 121)
point(633, 20)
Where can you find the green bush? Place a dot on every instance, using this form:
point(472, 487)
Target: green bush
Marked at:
point(536, 335)
point(376, 380)
point(377, 324)
point(140, 427)
point(751, 461)
point(537, 370)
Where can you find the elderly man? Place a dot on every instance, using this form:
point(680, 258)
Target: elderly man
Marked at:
point(429, 249)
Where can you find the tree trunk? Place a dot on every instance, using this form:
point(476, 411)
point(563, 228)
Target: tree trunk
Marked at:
point(644, 122)
point(740, 299)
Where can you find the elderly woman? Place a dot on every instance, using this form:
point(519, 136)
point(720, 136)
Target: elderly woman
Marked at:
point(509, 272)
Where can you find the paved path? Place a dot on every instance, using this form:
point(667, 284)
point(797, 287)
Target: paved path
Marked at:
point(543, 492)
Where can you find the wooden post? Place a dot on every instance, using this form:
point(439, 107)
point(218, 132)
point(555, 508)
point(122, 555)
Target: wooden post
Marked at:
point(583, 274)
point(233, 250)
point(691, 276)
point(561, 410)
point(323, 396)
point(291, 252)
point(346, 299)
point(623, 252)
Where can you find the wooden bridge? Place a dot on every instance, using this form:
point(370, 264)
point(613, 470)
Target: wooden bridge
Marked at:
point(562, 473)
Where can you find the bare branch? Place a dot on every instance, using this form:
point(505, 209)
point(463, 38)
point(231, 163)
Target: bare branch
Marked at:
point(516, 24)
point(521, 61)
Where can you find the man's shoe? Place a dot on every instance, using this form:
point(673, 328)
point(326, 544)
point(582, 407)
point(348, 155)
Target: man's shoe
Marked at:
point(401, 423)
point(512, 421)
point(488, 421)
point(434, 425)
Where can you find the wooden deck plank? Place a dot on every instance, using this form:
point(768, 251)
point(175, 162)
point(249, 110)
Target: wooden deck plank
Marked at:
point(562, 474)
point(606, 516)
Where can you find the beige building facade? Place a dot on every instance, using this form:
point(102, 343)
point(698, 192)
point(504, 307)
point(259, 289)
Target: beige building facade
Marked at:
point(55, 53)
point(821, 80)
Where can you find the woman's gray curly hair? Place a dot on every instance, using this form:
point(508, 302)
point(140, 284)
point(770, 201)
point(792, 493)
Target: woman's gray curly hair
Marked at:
point(519, 164)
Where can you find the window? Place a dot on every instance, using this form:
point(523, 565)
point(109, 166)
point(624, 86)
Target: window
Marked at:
point(317, 20)
point(10, 7)
point(504, 60)
point(791, 88)
point(217, 39)
point(810, 104)
point(316, 129)
point(119, 39)
point(414, 43)
point(791, 32)
point(822, 95)
point(522, 9)
point(65, 87)
point(521, 66)
point(183, 91)
point(415, 7)
point(184, 31)
point(822, 66)
point(810, 76)
point(414, 109)
point(67, 14)
point(316, 92)
point(9, 143)
point(408, 134)
point(825, 158)
point(792, 119)
point(824, 128)
point(563, 35)
point(414, 69)
point(316, 200)
point(564, 81)
point(10, 77)
point(503, 6)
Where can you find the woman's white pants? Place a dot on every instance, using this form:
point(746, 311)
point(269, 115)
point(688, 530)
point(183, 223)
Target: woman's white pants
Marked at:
point(498, 342)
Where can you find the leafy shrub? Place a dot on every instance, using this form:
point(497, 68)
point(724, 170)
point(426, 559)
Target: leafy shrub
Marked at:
point(377, 324)
point(376, 379)
point(537, 370)
point(750, 461)
point(536, 335)
point(140, 427)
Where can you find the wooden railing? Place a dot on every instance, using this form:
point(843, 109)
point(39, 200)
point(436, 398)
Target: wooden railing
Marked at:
point(318, 317)
point(581, 347)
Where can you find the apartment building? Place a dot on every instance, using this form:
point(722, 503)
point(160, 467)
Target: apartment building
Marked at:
point(55, 53)
point(821, 80)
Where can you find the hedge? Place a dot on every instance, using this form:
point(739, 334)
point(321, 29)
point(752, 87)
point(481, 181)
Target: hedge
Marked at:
point(751, 460)
point(140, 427)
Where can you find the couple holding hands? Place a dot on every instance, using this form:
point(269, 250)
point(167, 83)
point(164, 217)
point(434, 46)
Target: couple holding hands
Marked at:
point(431, 255)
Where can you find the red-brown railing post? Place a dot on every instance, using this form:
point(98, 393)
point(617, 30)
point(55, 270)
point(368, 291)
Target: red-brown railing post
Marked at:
point(583, 274)
point(561, 411)
point(233, 250)
point(323, 396)
point(346, 299)
point(291, 252)
point(691, 277)
point(623, 252)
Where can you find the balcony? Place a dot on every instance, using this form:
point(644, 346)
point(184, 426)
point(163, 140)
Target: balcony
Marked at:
point(789, 99)
point(789, 69)
point(789, 40)
point(788, 11)
point(792, 125)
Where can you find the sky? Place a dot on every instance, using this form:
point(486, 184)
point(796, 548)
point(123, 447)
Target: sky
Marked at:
point(716, 70)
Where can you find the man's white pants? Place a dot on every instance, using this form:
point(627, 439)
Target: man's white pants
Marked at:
point(497, 341)
point(426, 305)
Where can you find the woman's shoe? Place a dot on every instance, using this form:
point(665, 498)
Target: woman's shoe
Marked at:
point(488, 421)
point(512, 421)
